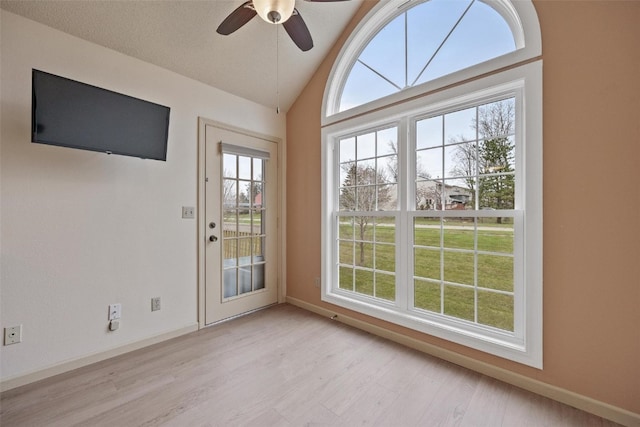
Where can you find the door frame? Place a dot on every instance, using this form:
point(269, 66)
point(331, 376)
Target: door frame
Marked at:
point(201, 217)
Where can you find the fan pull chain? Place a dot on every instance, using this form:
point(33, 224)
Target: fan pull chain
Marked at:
point(277, 72)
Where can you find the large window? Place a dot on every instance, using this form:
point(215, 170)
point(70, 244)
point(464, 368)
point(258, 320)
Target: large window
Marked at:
point(432, 203)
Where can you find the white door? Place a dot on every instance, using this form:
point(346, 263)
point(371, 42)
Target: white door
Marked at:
point(241, 223)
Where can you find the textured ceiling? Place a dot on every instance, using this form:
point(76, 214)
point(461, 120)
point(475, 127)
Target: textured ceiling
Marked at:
point(180, 35)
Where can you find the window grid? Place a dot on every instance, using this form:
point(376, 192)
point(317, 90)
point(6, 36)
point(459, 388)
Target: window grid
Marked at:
point(357, 98)
point(479, 315)
point(365, 242)
point(437, 53)
point(366, 262)
point(458, 210)
point(244, 258)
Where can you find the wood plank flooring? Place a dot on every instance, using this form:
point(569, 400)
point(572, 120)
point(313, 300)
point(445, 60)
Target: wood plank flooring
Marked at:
point(282, 366)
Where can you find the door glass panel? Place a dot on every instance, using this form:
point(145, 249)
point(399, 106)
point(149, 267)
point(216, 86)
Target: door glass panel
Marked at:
point(244, 227)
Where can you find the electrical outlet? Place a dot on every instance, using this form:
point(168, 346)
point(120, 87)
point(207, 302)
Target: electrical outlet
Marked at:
point(13, 335)
point(115, 311)
point(188, 212)
point(155, 304)
point(317, 282)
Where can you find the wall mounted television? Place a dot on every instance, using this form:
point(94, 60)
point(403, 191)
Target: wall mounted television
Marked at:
point(69, 113)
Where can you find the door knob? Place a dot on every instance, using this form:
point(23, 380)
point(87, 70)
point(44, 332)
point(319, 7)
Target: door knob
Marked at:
point(213, 238)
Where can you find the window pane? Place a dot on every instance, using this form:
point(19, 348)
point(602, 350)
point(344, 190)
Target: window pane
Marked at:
point(364, 254)
point(363, 228)
point(497, 119)
point(347, 174)
point(385, 286)
point(230, 223)
point(362, 86)
point(230, 196)
point(364, 282)
point(481, 35)
point(385, 230)
point(366, 146)
point(461, 160)
point(345, 228)
point(385, 258)
point(257, 170)
point(429, 133)
point(426, 231)
point(244, 251)
point(348, 199)
point(429, 164)
point(244, 167)
point(388, 168)
point(427, 295)
point(495, 272)
point(426, 263)
point(366, 198)
point(230, 283)
point(459, 233)
point(497, 192)
point(386, 50)
point(428, 25)
point(459, 302)
point(257, 276)
point(459, 126)
point(495, 310)
point(387, 197)
point(458, 267)
point(258, 249)
point(387, 141)
point(347, 150)
point(257, 189)
point(230, 253)
point(346, 278)
point(346, 252)
point(494, 237)
point(229, 167)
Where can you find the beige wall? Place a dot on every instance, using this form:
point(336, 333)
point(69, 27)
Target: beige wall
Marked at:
point(591, 200)
point(81, 230)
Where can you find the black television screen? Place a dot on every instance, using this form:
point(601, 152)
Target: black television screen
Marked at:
point(72, 114)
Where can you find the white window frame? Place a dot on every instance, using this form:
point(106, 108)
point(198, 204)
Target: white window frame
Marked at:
point(525, 344)
point(519, 15)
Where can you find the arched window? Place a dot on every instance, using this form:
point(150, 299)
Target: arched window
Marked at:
point(432, 165)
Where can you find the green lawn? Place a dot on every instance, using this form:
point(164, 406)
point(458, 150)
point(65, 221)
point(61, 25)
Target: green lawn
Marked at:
point(368, 265)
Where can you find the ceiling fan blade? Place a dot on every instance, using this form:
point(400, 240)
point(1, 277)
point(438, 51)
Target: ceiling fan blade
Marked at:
point(298, 31)
point(237, 18)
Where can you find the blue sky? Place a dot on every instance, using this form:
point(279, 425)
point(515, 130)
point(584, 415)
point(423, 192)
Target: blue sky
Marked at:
point(389, 64)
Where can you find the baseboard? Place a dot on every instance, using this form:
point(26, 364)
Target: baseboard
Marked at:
point(70, 365)
point(587, 404)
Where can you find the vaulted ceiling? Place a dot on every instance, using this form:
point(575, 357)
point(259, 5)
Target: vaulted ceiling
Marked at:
point(180, 35)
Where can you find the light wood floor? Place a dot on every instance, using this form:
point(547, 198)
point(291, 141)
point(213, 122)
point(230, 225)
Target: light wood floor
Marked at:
point(280, 367)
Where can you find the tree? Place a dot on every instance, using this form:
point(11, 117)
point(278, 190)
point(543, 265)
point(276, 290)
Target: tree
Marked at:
point(493, 157)
point(495, 124)
point(465, 158)
point(364, 189)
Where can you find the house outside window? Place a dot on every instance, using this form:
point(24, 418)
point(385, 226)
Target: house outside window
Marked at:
point(432, 191)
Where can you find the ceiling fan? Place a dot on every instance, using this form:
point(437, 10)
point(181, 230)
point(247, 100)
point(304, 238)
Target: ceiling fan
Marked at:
point(274, 12)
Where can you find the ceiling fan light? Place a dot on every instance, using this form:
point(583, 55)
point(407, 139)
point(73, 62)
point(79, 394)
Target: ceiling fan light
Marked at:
point(274, 11)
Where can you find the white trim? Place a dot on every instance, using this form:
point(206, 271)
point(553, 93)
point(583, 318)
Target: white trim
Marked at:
point(568, 397)
point(520, 15)
point(60, 368)
point(525, 344)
